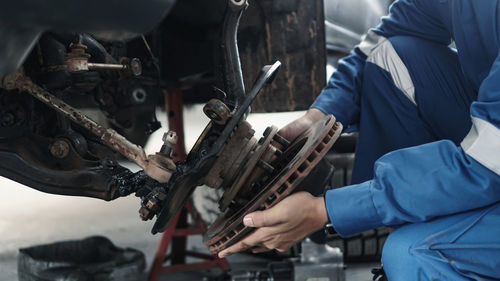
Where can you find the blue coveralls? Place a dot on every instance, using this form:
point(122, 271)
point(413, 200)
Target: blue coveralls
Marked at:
point(428, 156)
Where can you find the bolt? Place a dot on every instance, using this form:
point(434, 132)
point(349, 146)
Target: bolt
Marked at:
point(267, 131)
point(250, 133)
point(281, 140)
point(266, 166)
point(169, 141)
point(59, 149)
point(135, 66)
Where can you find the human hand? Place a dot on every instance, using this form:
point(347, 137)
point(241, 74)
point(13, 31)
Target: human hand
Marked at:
point(283, 225)
point(298, 126)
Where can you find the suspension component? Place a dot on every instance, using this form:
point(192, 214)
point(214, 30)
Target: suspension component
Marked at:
point(77, 60)
point(217, 111)
point(160, 167)
point(277, 178)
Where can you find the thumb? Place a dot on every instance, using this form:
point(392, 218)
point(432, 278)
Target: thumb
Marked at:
point(262, 218)
point(292, 130)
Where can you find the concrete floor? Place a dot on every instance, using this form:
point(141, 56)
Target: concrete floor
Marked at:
point(29, 217)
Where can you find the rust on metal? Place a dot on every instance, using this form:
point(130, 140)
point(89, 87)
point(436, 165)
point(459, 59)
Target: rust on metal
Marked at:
point(250, 173)
point(77, 60)
point(231, 157)
point(217, 111)
point(159, 167)
point(60, 148)
point(299, 159)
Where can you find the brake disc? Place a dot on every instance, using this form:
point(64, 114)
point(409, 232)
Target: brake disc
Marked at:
point(274, 176)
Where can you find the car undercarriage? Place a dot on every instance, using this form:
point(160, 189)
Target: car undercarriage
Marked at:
point(61, 69)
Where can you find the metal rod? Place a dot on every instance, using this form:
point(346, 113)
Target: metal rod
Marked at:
point(108, 66)
point(110, 137)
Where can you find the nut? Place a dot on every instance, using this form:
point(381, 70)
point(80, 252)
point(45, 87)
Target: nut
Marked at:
point(135, 67)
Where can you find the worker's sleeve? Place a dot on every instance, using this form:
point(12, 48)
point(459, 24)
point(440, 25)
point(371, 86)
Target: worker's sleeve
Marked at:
point(341, 96)
point(431, 180)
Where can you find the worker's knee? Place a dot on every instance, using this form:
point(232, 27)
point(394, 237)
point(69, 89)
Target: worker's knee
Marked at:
point(404, 254)
point(396, 252)
point(408, 254)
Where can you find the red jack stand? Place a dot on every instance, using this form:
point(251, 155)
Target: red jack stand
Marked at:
point(178, 230)
point(177, 259)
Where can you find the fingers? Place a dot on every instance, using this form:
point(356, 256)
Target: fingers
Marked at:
point(265, 218)
point(236, 248)
point(264, 248)
point(262, 240)
point(293, 129)
point(260, 249)
point(275, 225)
point(241, 246)
point(256, 239)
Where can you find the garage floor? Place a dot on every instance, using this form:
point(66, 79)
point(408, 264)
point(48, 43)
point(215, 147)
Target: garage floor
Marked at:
point(29, 217)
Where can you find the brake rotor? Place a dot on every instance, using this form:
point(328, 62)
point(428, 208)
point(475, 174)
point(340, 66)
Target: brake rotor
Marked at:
point(279, 174)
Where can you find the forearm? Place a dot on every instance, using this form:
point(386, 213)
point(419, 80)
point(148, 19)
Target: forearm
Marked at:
point(313, 115)
point(341, 96)
point(414, 185)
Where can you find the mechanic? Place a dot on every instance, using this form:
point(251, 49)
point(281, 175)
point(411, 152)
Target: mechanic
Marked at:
point(428, 154)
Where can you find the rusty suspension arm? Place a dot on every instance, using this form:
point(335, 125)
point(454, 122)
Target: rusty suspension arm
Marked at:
point(18, 80)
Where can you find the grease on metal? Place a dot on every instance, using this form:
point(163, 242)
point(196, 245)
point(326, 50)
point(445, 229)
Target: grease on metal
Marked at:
point(110, 137)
